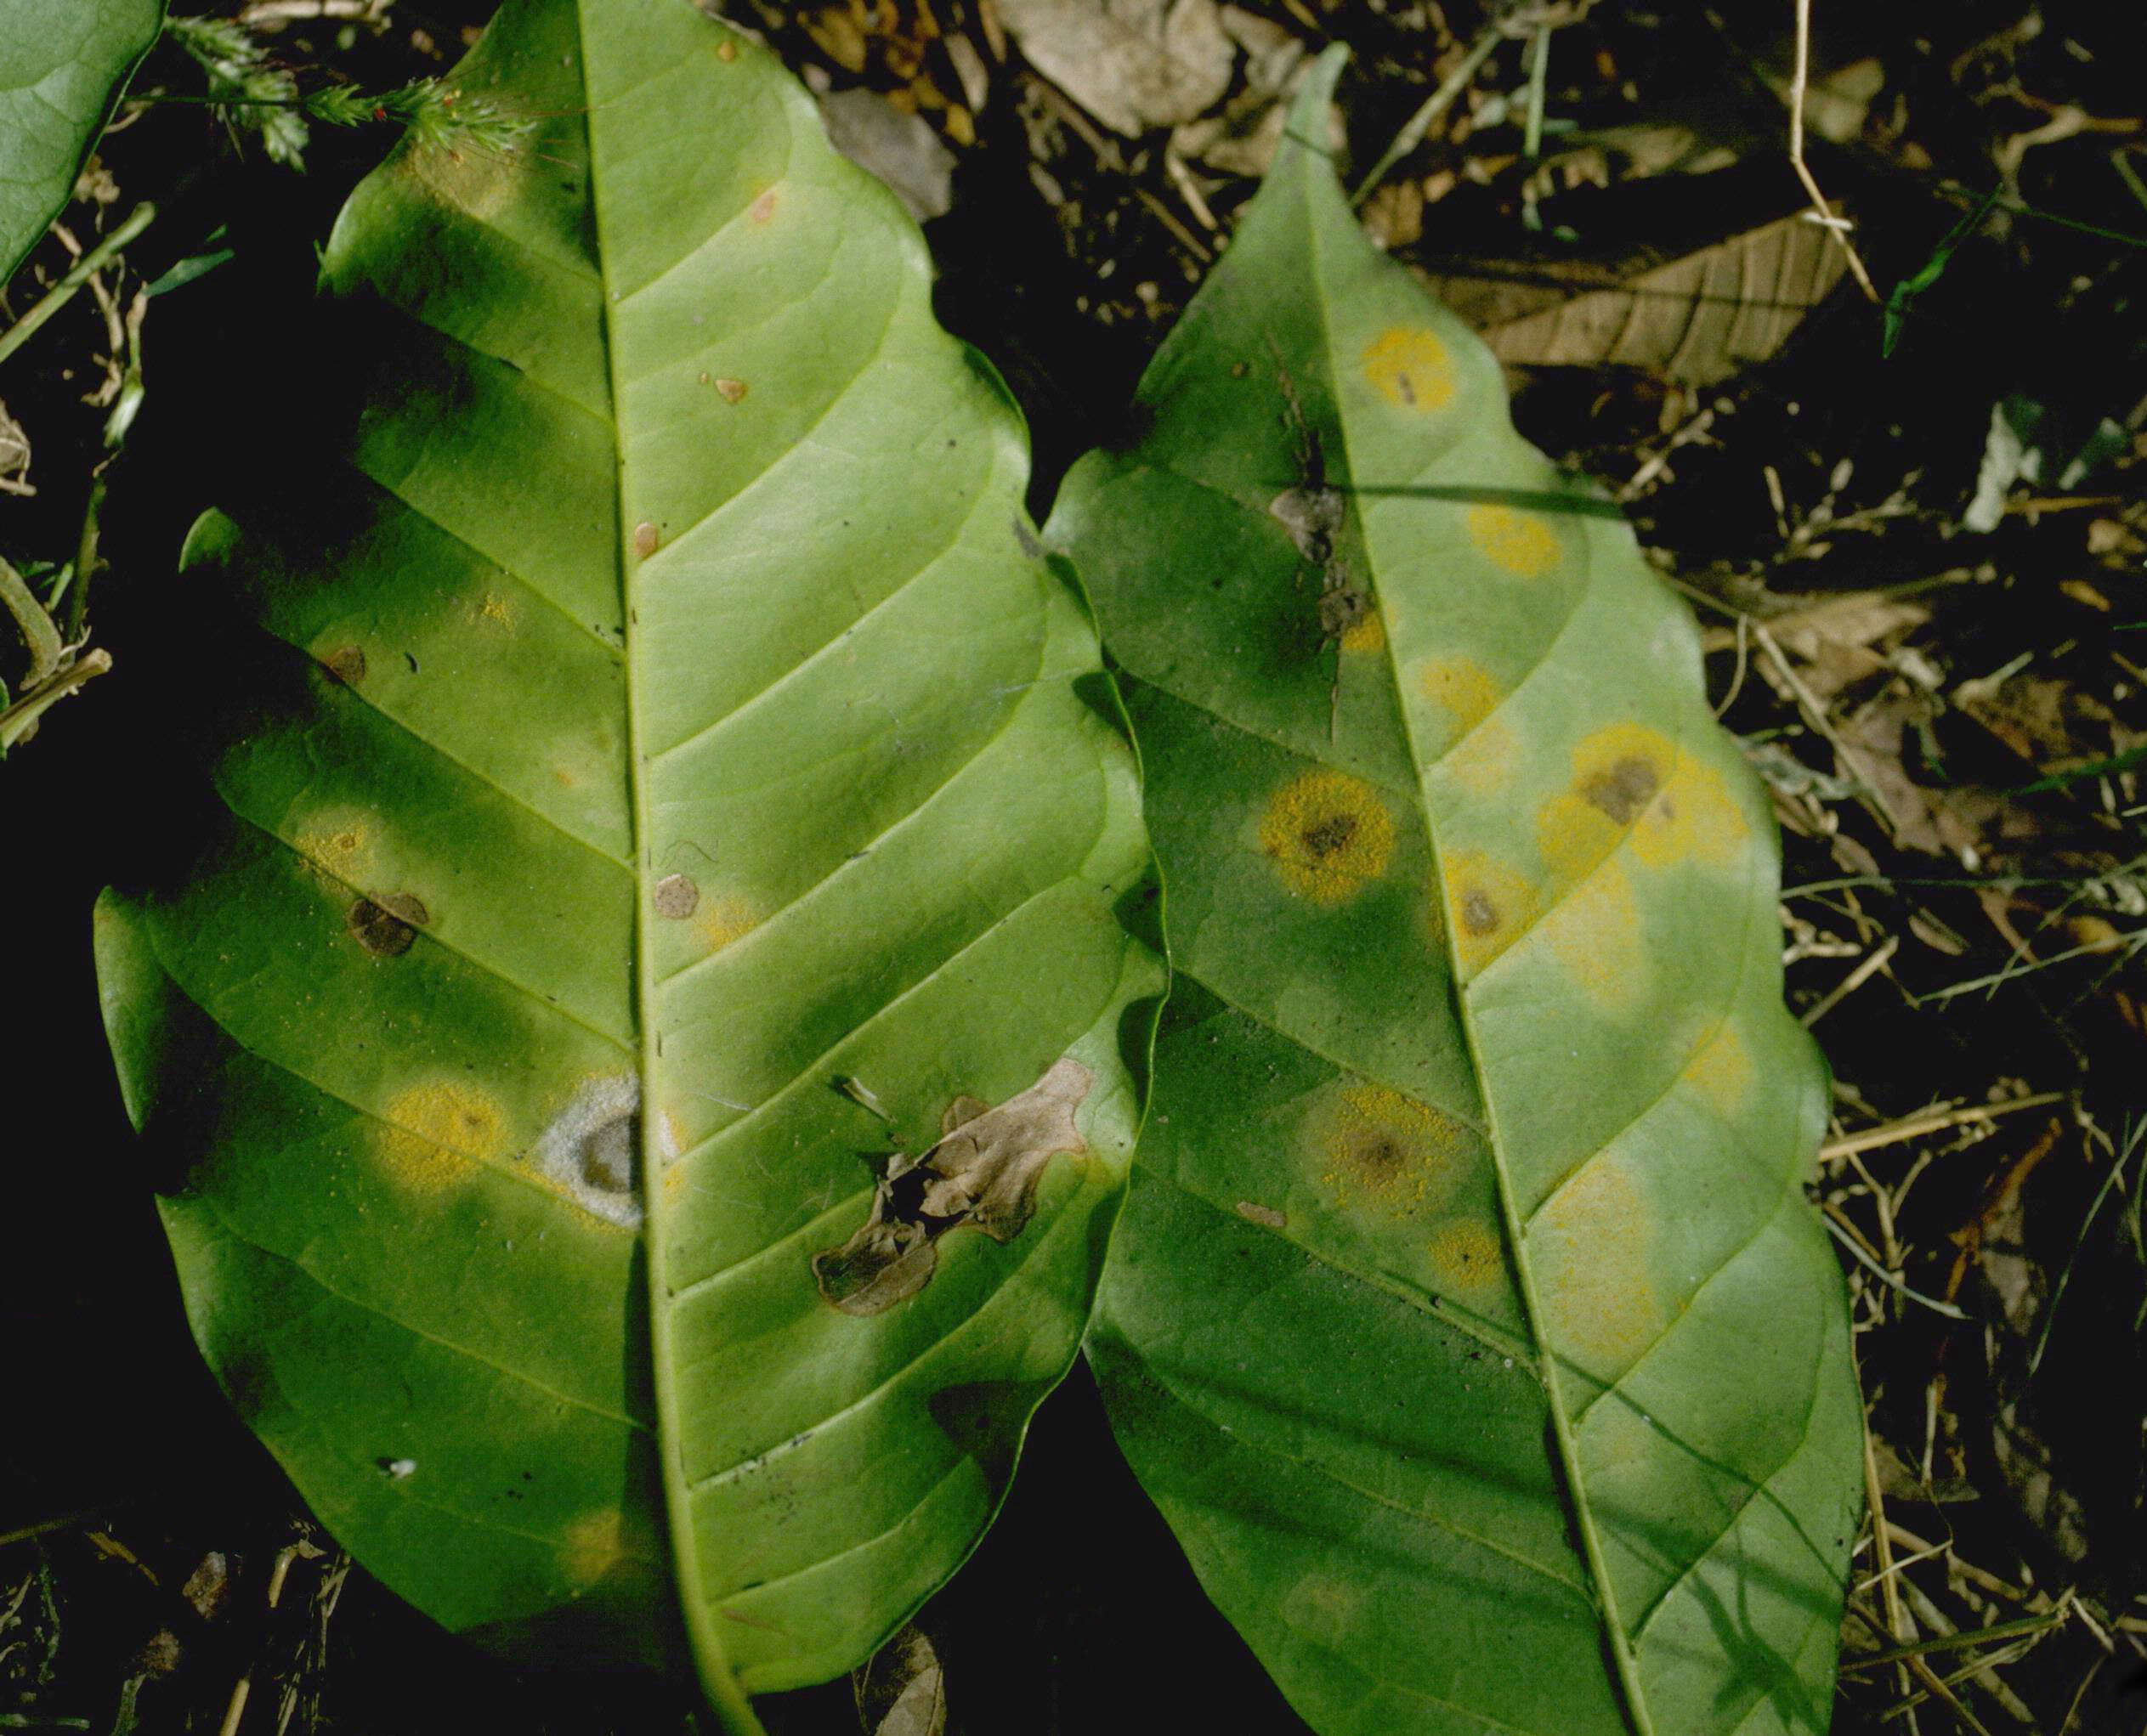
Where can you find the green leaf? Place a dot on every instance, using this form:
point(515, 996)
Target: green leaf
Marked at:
point(667, 754)
point(63, 63)
point(1467, 1320)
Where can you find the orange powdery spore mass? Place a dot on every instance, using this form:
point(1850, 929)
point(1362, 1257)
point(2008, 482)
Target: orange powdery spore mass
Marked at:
point(342, 847)
point(1461, 688)
point(1381, 1150)
point(1590, 1247)
point(437, 1130)
point(1328, 834)
point(1365, 634)
point(1412, 369)
point(1490, 904)
point(1513, 540)
point(1468, 1260)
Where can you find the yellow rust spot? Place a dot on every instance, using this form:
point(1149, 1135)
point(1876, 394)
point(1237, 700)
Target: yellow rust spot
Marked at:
point(1628, 778)
point(1597, 936)
point(1411, 368)
point(721, 921)
point(436, 1131)
point(1591, 1249)
point(496, 609)
point(1366, 634)
point(1490, 904)
point(1468, 1260)
point(727, 50)
point(1380, 1148)
point(1513, 540)
point(592, 1546)
point(1720, 1070)
point(1329, 833)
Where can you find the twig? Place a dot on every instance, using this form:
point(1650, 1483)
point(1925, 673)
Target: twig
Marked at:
point(1433, 107)
point(1935, 1121)
point(1855, 980)
point(65, 290)
point(1837, 227)
point(16, 720)
point(38, 633)
point(1893, 1281)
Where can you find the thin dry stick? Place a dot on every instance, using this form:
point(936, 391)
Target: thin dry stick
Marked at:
point(1837, 227)
point(1855, 980)
point(1936, 1122)
point(1815, 716)
point(1436, 105)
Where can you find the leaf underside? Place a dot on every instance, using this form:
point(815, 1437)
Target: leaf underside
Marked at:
point(1467, 1320)
point(63, 63)
point(667, 756)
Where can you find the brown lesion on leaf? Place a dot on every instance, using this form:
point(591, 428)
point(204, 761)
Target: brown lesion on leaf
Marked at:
point(676, 896)
point(387, 925)
point(1623, 789)
point(982, 1175)
point(346, 663)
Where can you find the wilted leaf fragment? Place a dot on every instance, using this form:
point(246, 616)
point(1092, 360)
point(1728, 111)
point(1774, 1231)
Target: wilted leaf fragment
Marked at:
point(1696, 319)
point(624, 757)
point(63, 63)
point(1467, 1320)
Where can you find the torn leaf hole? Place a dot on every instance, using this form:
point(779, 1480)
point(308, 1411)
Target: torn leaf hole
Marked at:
point(982, 1175)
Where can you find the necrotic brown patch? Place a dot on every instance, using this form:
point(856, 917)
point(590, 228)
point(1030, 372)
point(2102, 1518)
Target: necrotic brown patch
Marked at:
point(645, 539)
point(1623, 790)
point(379, 931)
point(347, 665)
point(1479, 915)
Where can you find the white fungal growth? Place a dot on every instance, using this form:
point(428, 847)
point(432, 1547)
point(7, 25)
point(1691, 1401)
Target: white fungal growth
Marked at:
point(590, 1151)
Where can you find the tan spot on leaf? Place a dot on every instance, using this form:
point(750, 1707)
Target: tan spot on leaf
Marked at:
point(1489, 904)
point(1513, 539)
point(1411, 368)
point(646, 538)
point(1265, 1216)
point(676, 896)
point(731, 391)
point(379, 930)
point(1377, 1150)
point(1329, 835)
point(343, 849)
point(1591, 1247)
point(727, 50)
point(437, 1131)
point(1721, 1071)
point(346, 663)
point(764, 207)
point(592, 1546)
point(983, 1175)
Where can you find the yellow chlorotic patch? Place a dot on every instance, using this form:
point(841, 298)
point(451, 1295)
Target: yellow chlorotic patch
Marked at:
point(1327, 1611)
point(496, 609)
point(1598, 938)
point(1377, 1147)
point(1329, 835)
point(592, 1546)
point(1412, 369)
point(1489, 905)
point(675, 1184)
point(1460, 687)
point(439, 1130)
point(1696, 819)
point(1513, 540)
point(723, 919)
point(1721, 1071)
point(479, 182)
point(1614, 1437)
point(1367, 633)
point(343, 848)
point(1486, 761)
point(1590, 1248)
point(1468, 1259)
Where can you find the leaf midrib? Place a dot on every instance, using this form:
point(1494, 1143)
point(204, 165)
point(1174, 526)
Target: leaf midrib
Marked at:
point(1569, 1462)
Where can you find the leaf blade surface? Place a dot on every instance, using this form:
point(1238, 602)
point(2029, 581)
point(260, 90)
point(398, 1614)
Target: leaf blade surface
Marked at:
point(669, 786)
point(1466, 1319)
